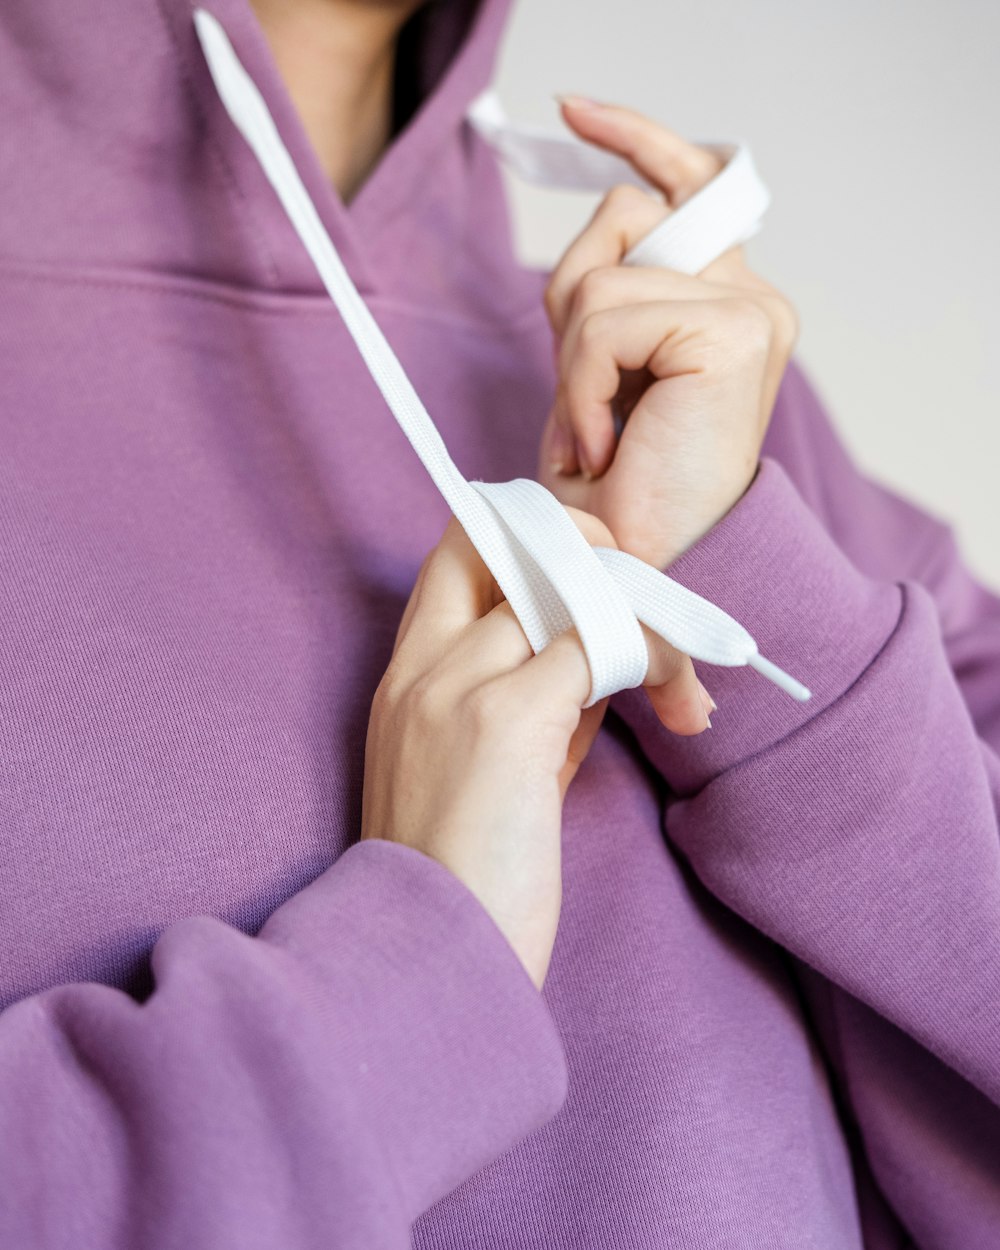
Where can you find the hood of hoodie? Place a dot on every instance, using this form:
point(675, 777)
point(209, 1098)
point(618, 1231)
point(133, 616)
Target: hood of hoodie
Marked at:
point(118, 152)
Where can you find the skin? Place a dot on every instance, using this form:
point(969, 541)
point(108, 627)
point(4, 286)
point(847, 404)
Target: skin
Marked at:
point(693, 363)
point(473, 740)
point(337, 58)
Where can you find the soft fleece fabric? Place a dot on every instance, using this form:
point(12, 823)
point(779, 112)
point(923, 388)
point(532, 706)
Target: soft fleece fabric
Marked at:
point(773, 1013)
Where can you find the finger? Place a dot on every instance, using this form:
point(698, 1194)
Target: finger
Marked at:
point(591, 719)
point(673, 688)
point(495, 643)
point(402, 629)
point(454, 587)
point(616, 286)
point(672, 164)
point(678, 701)
point(625, 215)
point(555, 683)
point(667, 337)
point(489, 647)
point(558, 447)
point(594, 530)
point(606, 287)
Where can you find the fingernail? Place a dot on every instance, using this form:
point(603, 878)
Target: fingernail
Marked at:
point(578, 101)
point(707, 701)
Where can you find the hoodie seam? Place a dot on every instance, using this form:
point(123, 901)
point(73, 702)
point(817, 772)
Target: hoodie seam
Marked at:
point(254, 300)
point(229, 176)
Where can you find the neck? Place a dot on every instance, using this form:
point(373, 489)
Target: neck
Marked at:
point(338, 58)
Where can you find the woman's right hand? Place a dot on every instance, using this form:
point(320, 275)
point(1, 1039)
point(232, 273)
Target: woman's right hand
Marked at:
point(473, 741)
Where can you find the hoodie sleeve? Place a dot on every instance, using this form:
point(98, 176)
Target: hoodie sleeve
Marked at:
point(320, 1084)
point(860, 829)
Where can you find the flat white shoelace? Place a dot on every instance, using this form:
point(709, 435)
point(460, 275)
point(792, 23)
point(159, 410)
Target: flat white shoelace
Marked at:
point(552, 577)
point(726, 211)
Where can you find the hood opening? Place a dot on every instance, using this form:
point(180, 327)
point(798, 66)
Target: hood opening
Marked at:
point(425, 47)
point(118, 157)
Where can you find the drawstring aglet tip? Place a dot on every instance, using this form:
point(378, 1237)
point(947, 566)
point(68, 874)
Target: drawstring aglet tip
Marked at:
point(780, 678)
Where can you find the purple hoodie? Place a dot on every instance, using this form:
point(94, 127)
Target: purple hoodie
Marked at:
point(772, 1018)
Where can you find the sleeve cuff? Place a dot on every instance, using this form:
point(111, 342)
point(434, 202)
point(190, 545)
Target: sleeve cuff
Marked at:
point(453, 1052)
point(771, 564)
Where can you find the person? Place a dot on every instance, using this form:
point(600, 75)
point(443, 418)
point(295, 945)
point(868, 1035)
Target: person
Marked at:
point(331, 917)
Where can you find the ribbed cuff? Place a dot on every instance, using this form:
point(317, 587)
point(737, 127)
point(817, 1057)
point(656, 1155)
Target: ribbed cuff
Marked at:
point(770, 564)
point(452, 1050)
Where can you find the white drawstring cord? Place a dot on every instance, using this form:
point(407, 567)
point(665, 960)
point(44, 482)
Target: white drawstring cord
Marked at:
point(727, 210)
point(550, 574)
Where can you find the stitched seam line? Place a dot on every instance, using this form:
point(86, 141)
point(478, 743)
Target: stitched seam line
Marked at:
point(252, 300)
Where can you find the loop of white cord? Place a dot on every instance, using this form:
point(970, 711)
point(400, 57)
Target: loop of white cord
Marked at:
point(550, 574)
point(727, 210)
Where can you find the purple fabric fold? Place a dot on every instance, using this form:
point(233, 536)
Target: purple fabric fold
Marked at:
point(772, 1015)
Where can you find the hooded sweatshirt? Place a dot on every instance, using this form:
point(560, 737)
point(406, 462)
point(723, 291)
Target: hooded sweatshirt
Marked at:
point(772, 1016)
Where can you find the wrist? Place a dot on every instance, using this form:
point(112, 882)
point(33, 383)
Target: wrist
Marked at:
point(771, 564)
point(681, 533)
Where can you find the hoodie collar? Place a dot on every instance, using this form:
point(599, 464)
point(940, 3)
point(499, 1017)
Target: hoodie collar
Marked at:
point(456, 47)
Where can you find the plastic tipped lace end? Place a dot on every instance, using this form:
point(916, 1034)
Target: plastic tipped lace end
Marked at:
point(780, 677)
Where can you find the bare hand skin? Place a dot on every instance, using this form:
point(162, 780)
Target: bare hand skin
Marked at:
point(338, 58)
point(693, 365)
point(473, 741)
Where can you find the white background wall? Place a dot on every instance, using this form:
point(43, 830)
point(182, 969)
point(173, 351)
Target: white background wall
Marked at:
point(875, 126)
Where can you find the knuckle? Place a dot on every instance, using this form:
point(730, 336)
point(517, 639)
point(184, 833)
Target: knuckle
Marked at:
point(591, 290)
point(625, 196)
point(388, 693)
point(752, 323)
point(423, 703)
point(783, 315)
point(486, 708)
point(451, 534)
point(632, 211)
point(592, 332)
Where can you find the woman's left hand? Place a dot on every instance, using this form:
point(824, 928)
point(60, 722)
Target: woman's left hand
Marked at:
point(692, 363)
